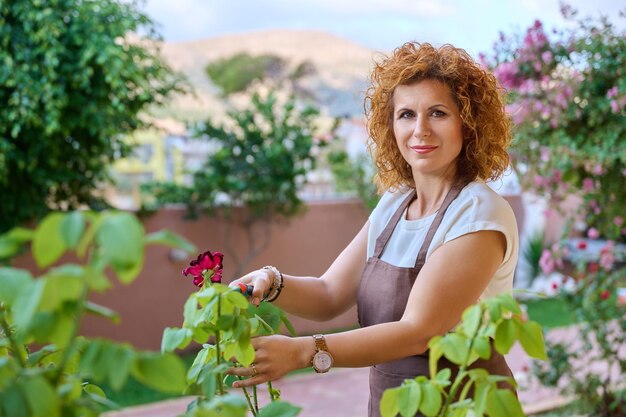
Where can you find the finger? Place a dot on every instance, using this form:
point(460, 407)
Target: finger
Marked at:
point(257, 380)
point(241, 371)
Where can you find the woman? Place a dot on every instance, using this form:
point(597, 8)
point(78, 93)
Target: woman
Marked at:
point(439, 240)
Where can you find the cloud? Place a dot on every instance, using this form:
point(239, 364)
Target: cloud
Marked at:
point(414, 8)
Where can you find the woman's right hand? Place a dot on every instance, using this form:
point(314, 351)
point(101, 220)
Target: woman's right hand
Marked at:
point(261, 280)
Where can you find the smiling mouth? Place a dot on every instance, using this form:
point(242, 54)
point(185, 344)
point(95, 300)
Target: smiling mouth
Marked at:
point(423, 149)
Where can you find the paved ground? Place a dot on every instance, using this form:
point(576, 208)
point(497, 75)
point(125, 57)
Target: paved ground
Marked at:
point(344, 393)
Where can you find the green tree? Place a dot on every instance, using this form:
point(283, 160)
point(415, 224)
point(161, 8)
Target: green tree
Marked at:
point(74, 78)
point(263, 153)
point(237, 73)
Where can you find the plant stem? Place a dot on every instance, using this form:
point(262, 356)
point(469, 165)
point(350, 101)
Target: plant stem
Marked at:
point(245, 392)
point(256, 399)
point(460, 375)
point(220, 383)
point(69, 349)
point(7, 332)
point(270, 389)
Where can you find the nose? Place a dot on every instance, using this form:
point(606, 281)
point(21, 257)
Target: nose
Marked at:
point(422, 128)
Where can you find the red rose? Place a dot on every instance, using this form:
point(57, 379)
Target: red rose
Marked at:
point(593, 267)
point(605, 294)
point(582, 245)
point(207, 266)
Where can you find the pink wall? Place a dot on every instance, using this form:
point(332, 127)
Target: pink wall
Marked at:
point(305, 246)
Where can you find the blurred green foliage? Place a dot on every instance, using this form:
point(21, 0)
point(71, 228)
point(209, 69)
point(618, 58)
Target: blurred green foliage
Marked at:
point(236, 73)
point(74, 78)
point(46, 368)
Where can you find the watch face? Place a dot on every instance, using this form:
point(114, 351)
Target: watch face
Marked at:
point(322, 361)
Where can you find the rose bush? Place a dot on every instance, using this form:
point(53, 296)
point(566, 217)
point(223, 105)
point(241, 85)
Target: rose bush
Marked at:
point(225, 316)
point(568, 101)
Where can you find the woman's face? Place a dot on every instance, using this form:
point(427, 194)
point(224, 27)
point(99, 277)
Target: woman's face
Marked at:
point(428, 128)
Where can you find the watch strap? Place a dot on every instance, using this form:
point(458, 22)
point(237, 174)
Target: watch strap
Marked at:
point(320, 342)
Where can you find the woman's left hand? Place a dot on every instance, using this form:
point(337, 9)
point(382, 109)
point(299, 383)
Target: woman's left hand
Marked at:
point(274, 356)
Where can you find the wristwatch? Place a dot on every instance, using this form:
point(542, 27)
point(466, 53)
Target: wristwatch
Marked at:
point(322, 360)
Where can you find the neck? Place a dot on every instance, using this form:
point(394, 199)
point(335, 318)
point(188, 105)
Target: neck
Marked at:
point(430, 191)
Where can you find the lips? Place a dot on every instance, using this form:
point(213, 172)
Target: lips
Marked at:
point(423, 149)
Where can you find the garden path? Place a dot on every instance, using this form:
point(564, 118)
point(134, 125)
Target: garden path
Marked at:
point(344, 393)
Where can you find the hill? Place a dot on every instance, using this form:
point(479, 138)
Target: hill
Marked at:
point(340, 80)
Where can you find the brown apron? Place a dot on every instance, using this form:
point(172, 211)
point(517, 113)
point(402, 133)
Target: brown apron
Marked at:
point(382, 297)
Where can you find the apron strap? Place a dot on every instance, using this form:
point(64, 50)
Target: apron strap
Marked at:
point(383, 238)
point(452, 194)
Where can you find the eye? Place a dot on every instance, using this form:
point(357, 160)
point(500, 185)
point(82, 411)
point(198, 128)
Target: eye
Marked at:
point(438, 113)
point(406, 114)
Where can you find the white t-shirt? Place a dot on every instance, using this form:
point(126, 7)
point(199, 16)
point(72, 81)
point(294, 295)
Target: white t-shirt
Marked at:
point(476, 208)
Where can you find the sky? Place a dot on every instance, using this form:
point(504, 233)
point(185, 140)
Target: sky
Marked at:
point(378, 24)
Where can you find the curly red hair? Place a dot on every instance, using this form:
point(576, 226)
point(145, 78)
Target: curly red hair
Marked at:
point(486, 126)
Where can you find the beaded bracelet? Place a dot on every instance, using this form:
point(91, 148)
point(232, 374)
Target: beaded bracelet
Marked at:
point(273, 285)
point(279, 287)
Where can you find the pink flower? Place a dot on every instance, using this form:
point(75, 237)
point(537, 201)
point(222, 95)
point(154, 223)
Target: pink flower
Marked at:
point(208, 266)
point(612, 92)
point(546, 262)
point(593, 233)
point(588, 185)
point(607, 258)
point(618, 221)
point(615, 106)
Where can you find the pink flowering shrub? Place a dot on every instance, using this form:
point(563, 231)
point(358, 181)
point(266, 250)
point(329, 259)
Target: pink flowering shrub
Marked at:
point(567, 98)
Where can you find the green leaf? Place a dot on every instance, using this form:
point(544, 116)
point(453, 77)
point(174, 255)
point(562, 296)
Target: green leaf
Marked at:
point(531, 338)
point(443, 375)
point(503, 403)
point(11, 282)
point(13, 401)
point(120, 358)
point(58, 289)
point(175, 338)
point(481, 394)
point(120, 237)
point(482, 347)
point(41, 397)
point(435, 352)
point(48, 243)
point(237, 299)
point(509, 303)
point(8, 248)
point(285, 320)
point(72, 228)
point(11, 243)
point(455, 348)
point(164, 372)
point(472, 317)
point(167, 238)
point(409, 398)
point(279, 409)
point(25, 305)
point(190, 311)
point(102, 311)
point(506, 335)
point(225, 322)
point(128, 273)
point(431, 400)
point(389, 403)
